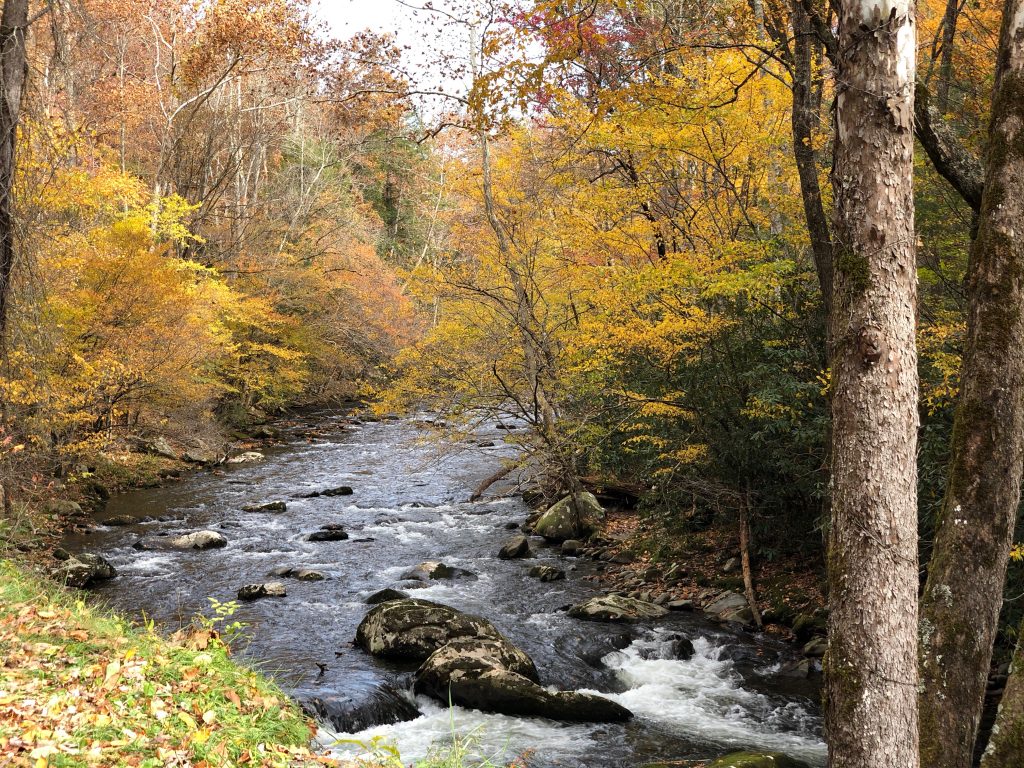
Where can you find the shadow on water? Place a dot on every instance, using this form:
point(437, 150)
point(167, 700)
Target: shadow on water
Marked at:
point(409, 505)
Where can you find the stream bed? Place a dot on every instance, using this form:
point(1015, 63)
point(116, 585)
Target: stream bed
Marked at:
point(409, 505)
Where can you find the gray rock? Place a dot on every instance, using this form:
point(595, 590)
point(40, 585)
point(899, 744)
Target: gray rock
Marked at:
point(384, 595)
point(816, 648)
point(270, 506)
point(731, 565)
point(547, 573)
point(197, 540)
point(62, 508)
point(616, 608)
point(267, 589)
point(200, 456)
point(433, 570)
point(411, 630)
point(573, 517)
point(517, 546)
point(308, 574)
point(248, 457)
point(477, 674)
point(730, 607)
point(160, 447)
point(572, 548)
point(84, 569)
point(330, 532)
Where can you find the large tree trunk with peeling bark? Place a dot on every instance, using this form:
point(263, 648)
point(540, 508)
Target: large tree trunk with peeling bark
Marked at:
point(871, 666)
point(963, 594)
point(13, 71)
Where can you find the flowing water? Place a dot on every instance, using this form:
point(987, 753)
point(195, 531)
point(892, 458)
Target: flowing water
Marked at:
point(409, 505)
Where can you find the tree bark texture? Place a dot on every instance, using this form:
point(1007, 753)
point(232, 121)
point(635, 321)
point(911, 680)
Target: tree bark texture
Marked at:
point(13, 72)
point(964, 591)
point(871, 665)
point(1006, 747)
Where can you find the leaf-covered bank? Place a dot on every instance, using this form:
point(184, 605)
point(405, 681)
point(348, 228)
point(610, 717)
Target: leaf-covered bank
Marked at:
point(79, 687)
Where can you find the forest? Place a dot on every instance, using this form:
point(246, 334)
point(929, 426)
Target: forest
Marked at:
point(741, 279)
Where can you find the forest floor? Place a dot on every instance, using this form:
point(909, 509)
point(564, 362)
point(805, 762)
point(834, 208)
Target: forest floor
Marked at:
point(642, 559)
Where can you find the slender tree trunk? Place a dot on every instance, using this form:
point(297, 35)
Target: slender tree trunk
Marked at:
point(805, 116)
point(13, 72)
point(871, 666)
point(949, 20)
point(748, 575)
point(964, 591)
point(1006, 746)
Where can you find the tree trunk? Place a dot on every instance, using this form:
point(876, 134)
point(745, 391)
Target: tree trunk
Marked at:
point(1006, 746)
point(871, 667)
point(13, 72)
point(964, 591)
point(805, 116)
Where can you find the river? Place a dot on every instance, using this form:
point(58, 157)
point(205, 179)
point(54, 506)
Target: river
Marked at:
point(409, 505)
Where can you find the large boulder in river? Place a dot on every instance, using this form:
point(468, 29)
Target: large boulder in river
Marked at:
point(517, 546)
point(616, 608)
point(84, 569)
point(475, 673)
point(411, 630)
point(432, 570)
point(574, 517)
point(196, 540)
point(757, 760)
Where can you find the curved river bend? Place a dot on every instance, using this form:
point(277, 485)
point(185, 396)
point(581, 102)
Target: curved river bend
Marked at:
point(409, 506)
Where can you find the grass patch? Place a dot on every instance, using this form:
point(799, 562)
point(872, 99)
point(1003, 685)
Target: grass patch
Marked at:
point(79, 688)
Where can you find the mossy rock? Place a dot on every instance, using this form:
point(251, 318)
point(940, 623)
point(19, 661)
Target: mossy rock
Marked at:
point(574, 517)
point(757, 760)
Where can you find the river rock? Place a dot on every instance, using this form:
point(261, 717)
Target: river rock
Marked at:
point(384, 595)
point(200, 456)
point(547, 573)
point(196, 540)
point(477, 674)
point(730, 607)
point(84, 569)
point(757, 760)
point(572, 548)
point(679, 605)
point(341, 490)
point(573, 517)
point(517, 546)
point(267, 589)
point(616, 608)
point(816, 648)
point(411, 630)
point(270, 506)
point(120, 520)
point(351, 713)
point(62, 508)
point(329, 532)
point(248, 457)
point(301, 574)
point(433, 570)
